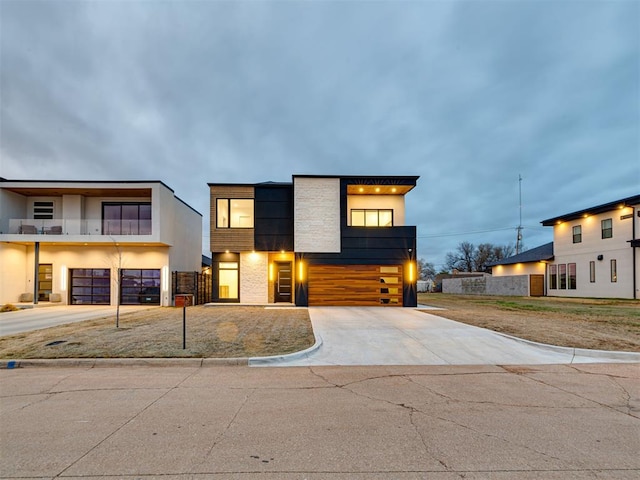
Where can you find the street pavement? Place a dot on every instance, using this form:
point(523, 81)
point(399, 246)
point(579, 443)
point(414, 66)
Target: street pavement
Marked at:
point(406, 336)
point(384, 422)
point(40, 317)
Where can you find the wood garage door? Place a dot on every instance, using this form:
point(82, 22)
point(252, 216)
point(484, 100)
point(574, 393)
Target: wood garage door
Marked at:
point(355, 285)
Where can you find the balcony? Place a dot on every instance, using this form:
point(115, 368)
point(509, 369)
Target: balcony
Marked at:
point(30, 226)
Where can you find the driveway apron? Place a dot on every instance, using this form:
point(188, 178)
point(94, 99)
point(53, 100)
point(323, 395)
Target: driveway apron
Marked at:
point(405, 336)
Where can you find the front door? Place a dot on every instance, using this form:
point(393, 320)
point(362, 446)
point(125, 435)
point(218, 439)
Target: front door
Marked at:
point(283, 282)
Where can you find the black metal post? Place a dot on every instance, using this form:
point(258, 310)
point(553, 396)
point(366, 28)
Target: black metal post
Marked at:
point(184, 323)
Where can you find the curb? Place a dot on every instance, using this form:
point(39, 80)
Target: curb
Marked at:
point(279, 359)
point(631, 357)
point(122, 362)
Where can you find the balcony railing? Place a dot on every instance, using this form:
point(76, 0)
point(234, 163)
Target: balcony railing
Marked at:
point(30, 226)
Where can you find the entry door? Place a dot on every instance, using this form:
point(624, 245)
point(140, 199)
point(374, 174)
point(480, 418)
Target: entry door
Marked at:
point(45, 281)
point(283, 282)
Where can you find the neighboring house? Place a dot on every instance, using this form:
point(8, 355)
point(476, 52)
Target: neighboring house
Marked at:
point(66, 241)
point(531, 263)
point(596, 251)
point(319, 240)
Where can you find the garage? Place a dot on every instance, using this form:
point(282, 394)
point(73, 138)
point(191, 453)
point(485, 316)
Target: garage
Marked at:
point(355, 285)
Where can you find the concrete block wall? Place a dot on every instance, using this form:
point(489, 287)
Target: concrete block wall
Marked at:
point(517, 286)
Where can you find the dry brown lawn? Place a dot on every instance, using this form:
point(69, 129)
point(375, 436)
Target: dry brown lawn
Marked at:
point(221, 332)
point(603, 324)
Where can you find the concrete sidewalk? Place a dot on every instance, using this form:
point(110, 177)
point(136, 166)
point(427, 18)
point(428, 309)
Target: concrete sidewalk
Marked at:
point(405, 336)
point(50, 316)
point(441, 422)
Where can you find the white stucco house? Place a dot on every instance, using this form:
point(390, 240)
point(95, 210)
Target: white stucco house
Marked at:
point(594, 253)
point(94, 242)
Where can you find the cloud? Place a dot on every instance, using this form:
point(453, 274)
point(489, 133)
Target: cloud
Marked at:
point(468, 95)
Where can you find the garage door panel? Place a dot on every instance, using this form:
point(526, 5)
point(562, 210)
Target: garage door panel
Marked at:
point(355, 285)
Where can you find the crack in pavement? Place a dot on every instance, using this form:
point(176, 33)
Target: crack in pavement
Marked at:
point(228, 426)
point(412, 410)
point(130, 420)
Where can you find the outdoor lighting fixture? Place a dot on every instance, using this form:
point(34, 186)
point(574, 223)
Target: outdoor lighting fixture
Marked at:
point(271, 272)
point(394, 189)
point(412, 272)
point(63, 278)
point(361, 190)
point(300, 271)
point(377, 189)
point(165, 278)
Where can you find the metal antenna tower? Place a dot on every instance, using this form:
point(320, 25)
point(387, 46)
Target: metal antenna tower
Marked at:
point(519, 229)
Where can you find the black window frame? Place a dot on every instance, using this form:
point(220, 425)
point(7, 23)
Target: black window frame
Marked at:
point(107, 228)
point(367, 210)
point(229, 207)
point(140, 293)
point(92, 283)
point(562, 276)
point(607, 232)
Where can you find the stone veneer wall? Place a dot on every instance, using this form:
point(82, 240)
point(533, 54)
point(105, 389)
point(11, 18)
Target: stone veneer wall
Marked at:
point(316, 215)
point(254, 278)
point(517, 286)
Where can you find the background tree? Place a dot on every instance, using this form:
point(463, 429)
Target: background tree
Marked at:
point(471, 258)
point(462, 258)
point(426, 270)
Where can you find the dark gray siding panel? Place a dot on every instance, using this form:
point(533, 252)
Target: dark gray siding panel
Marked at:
point(274, 218)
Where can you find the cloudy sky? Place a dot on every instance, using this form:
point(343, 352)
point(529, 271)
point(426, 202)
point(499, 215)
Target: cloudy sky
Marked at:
point(467, 94)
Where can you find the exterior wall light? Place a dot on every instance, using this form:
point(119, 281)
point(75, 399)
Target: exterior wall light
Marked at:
point(300, 271)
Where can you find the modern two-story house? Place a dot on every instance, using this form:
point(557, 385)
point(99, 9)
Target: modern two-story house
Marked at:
point(318, 240)
point(595, 251)
point(92, 242)
point(594, 254)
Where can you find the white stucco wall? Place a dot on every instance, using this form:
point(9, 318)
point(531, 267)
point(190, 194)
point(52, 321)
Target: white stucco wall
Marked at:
point(13, 280)
point(533, 268)
point(394, 202)
point(254, 277)
point(593, 245)
point(316, 214)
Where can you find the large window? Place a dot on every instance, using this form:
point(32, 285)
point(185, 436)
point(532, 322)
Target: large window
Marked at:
point(372, 218)
point(228, 280)
point(607, 228)
point(553, 277)
point(577, 234)
point(126, 219)
point(138, 286)
point(234, 213)
point(571, 269)
point(562, 276)
point(90, 286)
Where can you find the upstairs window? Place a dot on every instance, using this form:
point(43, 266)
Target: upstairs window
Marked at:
point(43, 210)
point(372, 218)
point(126, 218)
point(234, 213)
point(607, 228)
point(577, 234)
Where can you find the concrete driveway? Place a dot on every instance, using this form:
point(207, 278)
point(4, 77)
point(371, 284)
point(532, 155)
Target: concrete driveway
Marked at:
point(406, 336)
point(50, 316)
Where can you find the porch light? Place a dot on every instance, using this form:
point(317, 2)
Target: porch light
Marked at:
point(165, 278)
point(63, 278)
point(300, 271)
point(377, 189)
point(412, 272)
point(271, 272)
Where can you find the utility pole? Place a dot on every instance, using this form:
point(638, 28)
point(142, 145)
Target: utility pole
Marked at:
point(519, 229)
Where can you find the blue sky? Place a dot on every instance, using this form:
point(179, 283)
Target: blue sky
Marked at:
point(467, 94)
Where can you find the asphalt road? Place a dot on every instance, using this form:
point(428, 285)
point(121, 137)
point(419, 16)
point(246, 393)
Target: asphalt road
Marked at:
point(390, 422)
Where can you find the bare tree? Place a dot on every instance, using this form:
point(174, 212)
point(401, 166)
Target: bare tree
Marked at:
point(426, 270)
point(470, 258)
